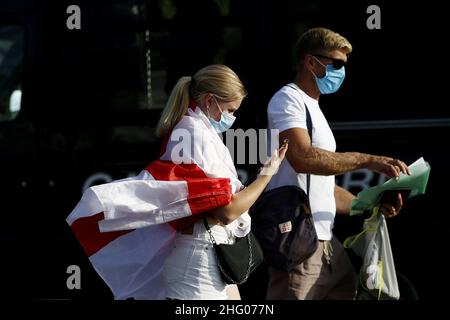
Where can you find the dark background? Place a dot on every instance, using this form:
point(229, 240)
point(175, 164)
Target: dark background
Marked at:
point(91, 99)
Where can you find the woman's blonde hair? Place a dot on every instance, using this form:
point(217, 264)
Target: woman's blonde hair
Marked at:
point(321, 39)
point(216, 79)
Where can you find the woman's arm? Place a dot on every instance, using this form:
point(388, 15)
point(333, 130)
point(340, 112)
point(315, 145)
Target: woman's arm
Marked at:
point(241, 201)
point(244, 199)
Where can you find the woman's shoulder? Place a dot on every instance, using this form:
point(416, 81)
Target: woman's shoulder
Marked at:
point(191, 122)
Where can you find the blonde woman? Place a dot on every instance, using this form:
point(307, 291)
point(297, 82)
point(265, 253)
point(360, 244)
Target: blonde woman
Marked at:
point(213, 94)
point(166, 251)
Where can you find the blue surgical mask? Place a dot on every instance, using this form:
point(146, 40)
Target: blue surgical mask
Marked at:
point(332, 80)
point(225, 122)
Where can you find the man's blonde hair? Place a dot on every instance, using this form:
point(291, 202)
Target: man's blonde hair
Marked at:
point(317, 40)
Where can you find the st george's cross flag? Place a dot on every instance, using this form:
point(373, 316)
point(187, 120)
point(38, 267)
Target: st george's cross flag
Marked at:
point(127, 227)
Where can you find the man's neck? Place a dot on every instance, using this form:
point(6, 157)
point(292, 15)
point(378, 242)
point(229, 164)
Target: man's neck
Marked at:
point(307, 83)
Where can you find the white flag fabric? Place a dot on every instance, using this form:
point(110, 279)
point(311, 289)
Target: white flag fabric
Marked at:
point(127, 227)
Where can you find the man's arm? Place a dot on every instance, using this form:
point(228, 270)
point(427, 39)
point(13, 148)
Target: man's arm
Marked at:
point(305, 158)
point(343, 200)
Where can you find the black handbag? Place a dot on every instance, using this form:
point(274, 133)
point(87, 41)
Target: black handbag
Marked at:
point(236, 261)
point(283, 224)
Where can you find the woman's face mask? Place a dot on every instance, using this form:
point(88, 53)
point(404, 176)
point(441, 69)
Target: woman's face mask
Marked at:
point(225, 122)
point(332, 80)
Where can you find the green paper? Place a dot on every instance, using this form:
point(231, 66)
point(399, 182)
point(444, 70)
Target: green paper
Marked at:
point(416, 182)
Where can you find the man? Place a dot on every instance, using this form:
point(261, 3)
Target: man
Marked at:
point(328, 273)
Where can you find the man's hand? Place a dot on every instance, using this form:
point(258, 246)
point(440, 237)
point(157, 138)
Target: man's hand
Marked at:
point(389, 210)
point(388, 166)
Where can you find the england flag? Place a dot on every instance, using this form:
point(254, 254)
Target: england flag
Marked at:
point(127, 227)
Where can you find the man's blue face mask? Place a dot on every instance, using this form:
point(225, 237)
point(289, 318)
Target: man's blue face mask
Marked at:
point(332, 80)
point(225, 122)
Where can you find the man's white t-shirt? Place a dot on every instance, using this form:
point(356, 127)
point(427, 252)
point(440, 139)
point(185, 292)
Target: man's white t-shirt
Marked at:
point(287, 110)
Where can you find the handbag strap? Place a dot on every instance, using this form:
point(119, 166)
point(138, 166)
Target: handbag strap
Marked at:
point(222, 270)
point(309, 127)
point(205, 222)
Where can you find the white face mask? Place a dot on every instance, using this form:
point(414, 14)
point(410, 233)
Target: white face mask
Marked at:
point(225, 122)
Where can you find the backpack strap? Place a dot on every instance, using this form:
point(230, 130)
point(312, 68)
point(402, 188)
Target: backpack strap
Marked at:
point(309, 127)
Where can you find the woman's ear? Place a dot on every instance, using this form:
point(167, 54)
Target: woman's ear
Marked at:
point(207, 100)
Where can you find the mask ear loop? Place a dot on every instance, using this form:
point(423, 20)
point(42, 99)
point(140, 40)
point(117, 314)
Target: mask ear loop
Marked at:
point(217, 104)
point(315, 76)
point(320, 62)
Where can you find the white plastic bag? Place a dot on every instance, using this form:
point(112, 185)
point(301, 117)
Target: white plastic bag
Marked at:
point(377, 275)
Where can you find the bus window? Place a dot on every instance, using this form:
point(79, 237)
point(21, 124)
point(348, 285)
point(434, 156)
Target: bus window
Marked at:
point(11, 59)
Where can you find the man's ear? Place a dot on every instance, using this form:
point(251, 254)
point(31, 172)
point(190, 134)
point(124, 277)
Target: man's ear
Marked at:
point(308, 62)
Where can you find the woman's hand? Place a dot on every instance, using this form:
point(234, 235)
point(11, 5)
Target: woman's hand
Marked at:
point(389, 210)
point(271, 166)
point(244, 199)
